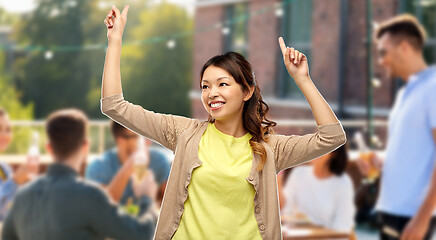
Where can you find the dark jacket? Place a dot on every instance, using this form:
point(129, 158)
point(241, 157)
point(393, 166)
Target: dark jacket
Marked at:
point(61, 205)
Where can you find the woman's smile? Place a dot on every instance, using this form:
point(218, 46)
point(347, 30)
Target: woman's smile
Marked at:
point(215, 105)
point(221, 95)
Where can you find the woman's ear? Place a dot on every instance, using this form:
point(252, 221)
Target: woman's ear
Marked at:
point(249, 93)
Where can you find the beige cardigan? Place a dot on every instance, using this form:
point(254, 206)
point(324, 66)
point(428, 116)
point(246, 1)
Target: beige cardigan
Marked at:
point(182, 136)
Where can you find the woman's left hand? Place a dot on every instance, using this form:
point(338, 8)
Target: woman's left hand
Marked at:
point(295, 62)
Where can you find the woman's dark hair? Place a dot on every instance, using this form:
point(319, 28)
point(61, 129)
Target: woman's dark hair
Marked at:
point(338, 160)
point(255, 109)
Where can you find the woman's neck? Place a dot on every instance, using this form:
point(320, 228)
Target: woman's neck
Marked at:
point(321, 171)
point(232, 127)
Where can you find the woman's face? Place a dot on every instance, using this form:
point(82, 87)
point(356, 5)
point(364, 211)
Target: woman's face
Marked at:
point(5, 133)
point(221, 95)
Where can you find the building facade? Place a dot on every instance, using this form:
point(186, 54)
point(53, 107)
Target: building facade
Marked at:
point(332, 33)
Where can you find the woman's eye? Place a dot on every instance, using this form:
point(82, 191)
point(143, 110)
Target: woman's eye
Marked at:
point(204, 87)
point(224, 84)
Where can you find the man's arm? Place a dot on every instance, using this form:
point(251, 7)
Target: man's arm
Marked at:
point(105, 218)
point(418, 225)
point(119, 182)
point(115, 186)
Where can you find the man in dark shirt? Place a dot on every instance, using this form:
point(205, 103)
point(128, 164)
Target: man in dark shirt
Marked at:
point(60, 204)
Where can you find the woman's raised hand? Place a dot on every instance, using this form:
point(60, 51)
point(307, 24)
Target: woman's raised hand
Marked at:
point(295, 62)
point(115, 22)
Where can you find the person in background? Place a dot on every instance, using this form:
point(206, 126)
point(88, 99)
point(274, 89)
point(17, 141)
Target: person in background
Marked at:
point(407, 199)
point(115, 167)
point(321, 192)
point(10, 181)
point(60, 204)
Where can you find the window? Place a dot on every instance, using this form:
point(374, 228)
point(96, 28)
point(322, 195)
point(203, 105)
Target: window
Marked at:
point(425, 11)
point(296, 28)
point(235, 28)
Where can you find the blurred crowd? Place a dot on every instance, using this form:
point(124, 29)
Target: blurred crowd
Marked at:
point(123, 188)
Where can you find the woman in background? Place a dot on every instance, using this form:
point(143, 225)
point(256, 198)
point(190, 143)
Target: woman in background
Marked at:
point(10, 181)
point(321, 192)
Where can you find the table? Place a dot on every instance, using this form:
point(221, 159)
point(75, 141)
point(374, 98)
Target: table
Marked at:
point(309, 231)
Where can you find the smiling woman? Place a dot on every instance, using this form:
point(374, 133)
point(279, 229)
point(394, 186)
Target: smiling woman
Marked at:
point(223, 178)
point(232, 82)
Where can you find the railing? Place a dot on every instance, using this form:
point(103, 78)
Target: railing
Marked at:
point(100, 141)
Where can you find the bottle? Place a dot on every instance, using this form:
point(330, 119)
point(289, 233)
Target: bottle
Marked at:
point(141, 160)
point(366, 155)
point(33, 154)
point(33, 151)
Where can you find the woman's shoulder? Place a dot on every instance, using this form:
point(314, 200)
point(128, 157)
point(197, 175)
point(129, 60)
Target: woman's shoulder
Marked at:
point(343, 181)
point(302, 171)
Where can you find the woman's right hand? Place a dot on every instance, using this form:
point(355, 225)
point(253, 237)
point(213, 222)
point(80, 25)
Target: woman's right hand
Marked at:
point(295, 62)
point(115, 23)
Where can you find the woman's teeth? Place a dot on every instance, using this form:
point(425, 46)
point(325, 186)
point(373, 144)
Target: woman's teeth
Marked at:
point(214, 105)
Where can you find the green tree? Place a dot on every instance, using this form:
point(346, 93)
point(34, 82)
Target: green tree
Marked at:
point(7, 18)
point(64, 74)
point(69, 75)
point(10, 101)
point(155, 75)
point(95, 33)
point(54, 79)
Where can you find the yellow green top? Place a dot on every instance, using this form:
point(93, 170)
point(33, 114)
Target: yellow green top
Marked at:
point(220, 200)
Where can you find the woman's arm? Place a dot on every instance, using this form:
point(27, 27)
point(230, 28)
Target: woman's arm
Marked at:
point(297, 66)
point(293, 150)
point(115, 22)
point(162, 128)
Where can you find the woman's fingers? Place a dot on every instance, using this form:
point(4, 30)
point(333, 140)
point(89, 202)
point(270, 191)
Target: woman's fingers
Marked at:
point(109, 19)
point(286, 55)
point(282, 46)
point(300, 56)
point(292, 54)
point(297, 53)
point(125, 11)
point(116, 11)
point(108, 24)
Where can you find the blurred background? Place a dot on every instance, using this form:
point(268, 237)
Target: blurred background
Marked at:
point(52, 54)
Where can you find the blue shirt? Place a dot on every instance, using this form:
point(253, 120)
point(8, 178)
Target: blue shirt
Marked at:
point(102, 170)
point(8, 188)
point(410, 153)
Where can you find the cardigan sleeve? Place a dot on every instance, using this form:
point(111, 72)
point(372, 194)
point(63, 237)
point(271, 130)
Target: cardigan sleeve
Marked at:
point(293, 150)
point(162, 128)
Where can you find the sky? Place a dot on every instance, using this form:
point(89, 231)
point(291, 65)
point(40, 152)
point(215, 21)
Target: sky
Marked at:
point(18, 6)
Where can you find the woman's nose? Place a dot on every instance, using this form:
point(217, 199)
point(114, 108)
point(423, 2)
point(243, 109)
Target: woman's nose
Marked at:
point(213, 93)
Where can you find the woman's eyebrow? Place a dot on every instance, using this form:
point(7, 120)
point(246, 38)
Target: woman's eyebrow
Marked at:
point(220, 78)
